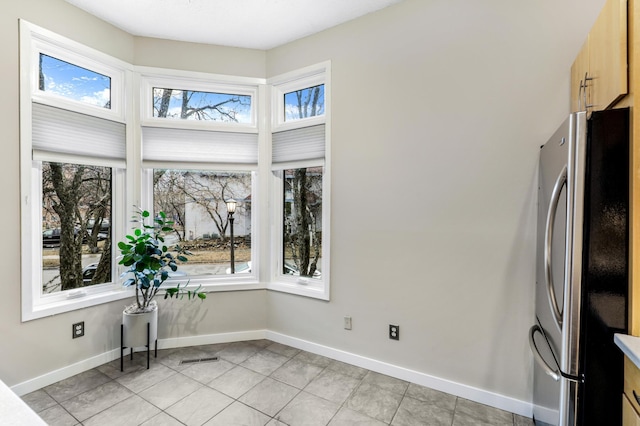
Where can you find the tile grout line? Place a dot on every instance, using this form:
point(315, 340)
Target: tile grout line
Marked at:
point(166, 360)
point(455, 408)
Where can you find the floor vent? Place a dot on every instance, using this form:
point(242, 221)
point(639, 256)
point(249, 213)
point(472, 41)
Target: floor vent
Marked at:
point(198, 360)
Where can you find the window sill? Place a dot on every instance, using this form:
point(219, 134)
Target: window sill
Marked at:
point(315, 291)
point(45, 309)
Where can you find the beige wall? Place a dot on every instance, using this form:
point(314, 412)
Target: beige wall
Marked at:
point(154, 52)
point(439, 106)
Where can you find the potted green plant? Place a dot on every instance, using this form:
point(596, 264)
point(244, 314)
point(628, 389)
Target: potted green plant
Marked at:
point(149, 262)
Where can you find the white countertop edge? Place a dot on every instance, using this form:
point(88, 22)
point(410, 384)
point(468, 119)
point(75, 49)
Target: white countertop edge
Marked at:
point(14, 411)
point(630, 346)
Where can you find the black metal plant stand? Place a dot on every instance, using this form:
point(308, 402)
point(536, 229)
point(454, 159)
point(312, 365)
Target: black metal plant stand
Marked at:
point(148, 346)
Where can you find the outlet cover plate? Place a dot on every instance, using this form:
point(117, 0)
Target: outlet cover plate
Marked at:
point(347, 323)
point(78, 329)
point(394, 332)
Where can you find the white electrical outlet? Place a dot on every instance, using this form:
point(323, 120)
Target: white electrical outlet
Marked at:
point(394, 332)
point(347, 323)
point(78, 329)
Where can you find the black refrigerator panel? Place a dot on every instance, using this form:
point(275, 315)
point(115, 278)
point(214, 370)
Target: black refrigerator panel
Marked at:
point(605, 267)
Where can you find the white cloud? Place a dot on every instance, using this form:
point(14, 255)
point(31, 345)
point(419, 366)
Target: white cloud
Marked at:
point(100, 98)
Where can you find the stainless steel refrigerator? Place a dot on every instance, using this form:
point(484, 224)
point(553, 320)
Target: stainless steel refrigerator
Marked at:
point(581, 271)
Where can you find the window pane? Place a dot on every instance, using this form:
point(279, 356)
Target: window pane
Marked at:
point(304, 103)
point(195, 201)
point(73, 82)
point(205, 106)
point(76, 235)
point(303, 222)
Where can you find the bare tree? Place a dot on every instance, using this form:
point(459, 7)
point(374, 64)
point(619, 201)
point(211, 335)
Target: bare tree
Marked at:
point(169, 197)
point(77, 194)
point(97, 205)
point(210, 191)
point(225, 109)
point(309, 104)
point(302, 214)
point(65, 188)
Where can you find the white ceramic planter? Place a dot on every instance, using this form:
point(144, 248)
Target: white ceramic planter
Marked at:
point(135, 328)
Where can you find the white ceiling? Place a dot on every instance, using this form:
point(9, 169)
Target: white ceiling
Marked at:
point(256, 24)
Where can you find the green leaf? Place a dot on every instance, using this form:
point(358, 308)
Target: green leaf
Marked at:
point(144, 282)
point(123, 246)
point(145, 213)
point(138, 232)
point(182, 258)
point(141, 248)
point(202, 296)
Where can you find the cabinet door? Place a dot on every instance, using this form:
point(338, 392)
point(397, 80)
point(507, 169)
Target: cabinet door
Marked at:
point(579, 69)
point(608, 55)
point(629, 415)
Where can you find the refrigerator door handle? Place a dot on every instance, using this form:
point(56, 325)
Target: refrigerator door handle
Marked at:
point(555, 374)
point(548, 237)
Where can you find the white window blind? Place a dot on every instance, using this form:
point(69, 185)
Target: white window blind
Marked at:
point(198, 146)
point(306, 143)
point(58, 131)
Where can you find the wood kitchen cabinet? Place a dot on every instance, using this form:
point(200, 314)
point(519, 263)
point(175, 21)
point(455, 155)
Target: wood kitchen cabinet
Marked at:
point(629, 415)
point(630, 405)
point(599, 75)
point(580, 69)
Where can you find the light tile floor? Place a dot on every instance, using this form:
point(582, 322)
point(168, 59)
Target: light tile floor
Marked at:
point(252, 383)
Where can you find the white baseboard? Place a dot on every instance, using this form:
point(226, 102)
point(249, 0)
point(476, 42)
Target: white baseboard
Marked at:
point(96, 361)
point(210, 339)
point(502, 402)
point(464, 391)
point(64, 372)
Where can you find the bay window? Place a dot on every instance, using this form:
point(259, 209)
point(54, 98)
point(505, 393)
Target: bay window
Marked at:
point(188, 144)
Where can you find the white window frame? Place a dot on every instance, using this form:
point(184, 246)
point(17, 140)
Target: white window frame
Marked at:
point(210, 283)
point(301, 79)
point(33, 41)
point(51, 44)
point(185, 80)
point(312, 76)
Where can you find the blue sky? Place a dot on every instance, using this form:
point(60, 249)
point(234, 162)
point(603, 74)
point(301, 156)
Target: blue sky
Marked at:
point(76, 83)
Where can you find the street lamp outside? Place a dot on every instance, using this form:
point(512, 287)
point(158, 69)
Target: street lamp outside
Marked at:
point(231, 209)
